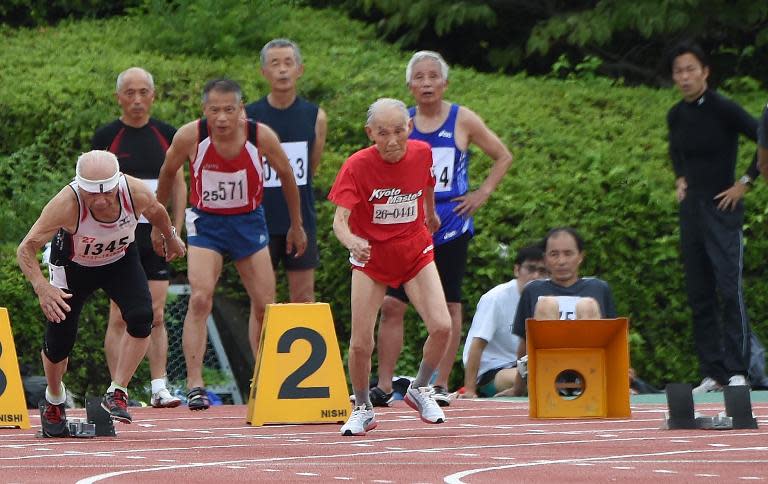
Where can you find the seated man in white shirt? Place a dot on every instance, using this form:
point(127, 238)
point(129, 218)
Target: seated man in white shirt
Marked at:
point(490, 351)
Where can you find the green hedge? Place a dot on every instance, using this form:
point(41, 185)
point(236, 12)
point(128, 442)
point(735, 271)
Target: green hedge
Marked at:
point(588, 153)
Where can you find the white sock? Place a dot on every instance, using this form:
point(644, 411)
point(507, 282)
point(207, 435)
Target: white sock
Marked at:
point(58, 399)
point(158, 384)
point(114, 386)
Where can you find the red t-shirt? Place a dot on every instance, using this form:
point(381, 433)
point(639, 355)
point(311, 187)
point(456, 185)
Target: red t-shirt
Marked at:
point(386, 199)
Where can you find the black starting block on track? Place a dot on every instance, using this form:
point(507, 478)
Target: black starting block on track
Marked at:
point(97, 423)
point(738, 406)
point(681, 414)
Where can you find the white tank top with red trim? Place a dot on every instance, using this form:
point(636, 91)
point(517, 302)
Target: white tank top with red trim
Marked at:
point(97, 243)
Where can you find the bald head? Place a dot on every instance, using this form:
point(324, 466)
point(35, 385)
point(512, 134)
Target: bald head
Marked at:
point(97, 171)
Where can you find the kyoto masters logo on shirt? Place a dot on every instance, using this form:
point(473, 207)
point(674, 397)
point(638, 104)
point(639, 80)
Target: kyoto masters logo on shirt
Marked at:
point(397, 209)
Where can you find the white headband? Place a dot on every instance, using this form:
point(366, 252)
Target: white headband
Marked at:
point(97, 186)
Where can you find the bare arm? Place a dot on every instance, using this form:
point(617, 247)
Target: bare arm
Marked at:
point(180, 150)
point(321, 128)
point(762, 161)
point(60, 212)
point(269, 145)
point(477, 346)
point(432, 219)
point(179, 203)
point(144, 202)
point(485, 139)
point(357, 246)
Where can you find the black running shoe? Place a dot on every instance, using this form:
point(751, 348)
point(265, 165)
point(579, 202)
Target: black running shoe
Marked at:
point(197, 399)
point(379, 398)
point(53, 419)
point(442, 396)
point(116, 403)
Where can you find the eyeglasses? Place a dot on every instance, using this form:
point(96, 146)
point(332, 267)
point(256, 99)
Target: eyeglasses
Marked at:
point(531, 268)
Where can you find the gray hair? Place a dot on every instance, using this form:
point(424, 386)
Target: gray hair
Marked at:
point(130, 70)
point(385, 103)
point(278, 44)
point(425, 55)
point(222, 85)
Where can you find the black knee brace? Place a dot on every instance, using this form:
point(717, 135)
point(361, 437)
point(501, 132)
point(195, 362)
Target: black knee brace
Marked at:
point(138, 321)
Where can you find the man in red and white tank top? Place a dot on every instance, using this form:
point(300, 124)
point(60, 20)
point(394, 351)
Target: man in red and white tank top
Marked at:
point(97, 215)
point(224, 151)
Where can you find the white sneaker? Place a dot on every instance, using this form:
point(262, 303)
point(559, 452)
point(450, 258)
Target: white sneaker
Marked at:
point(522, 367)
point(422, 400)
point(361, 421)
point(164, 399)
point(737, 381)
point(708, 385)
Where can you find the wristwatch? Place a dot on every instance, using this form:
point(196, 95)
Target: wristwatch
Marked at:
point(746, 180)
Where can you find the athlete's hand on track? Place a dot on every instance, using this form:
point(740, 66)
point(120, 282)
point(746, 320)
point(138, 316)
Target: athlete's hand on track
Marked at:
point(295, 241)
point(470, 202)
point(52, 302)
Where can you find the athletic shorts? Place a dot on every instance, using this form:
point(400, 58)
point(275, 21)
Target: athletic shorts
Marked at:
point(124, 282)
point(451, 262)
point(397, 262)
point(156, 268)
point(239, 235)
point(486, 383)
point(308, 260)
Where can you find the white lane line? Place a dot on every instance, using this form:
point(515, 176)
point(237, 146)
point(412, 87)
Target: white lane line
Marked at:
point(457, 477)
point(622, 468)
point(467, 455)
point(308, 474)
point(664, 471)
point(707, 475)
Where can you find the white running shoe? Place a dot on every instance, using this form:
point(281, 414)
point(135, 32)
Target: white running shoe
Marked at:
point(361, 421)
point(708, 385)
point(422, 400)
point(737, 381)
point(164, 399)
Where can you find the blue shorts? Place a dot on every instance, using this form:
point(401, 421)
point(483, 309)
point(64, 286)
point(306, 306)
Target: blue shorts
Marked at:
point(238, 235)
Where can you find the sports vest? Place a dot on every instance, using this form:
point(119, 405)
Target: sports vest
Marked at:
point(221, 186)
point(450, 166)
point(295, 126)
point(98, 243)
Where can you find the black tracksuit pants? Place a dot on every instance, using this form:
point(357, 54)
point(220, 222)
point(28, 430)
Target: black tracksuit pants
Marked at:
point(712, 248)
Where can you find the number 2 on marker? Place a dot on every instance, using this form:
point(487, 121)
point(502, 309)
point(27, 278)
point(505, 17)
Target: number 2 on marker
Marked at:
point(290, 389)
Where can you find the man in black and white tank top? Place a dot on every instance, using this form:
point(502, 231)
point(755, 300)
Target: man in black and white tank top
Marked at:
point(98, 213)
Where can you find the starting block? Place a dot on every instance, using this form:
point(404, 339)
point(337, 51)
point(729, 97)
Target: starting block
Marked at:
point(97, 423)
point(738, 406)
point(681, 415)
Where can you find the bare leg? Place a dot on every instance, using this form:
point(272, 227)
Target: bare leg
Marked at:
point(588, 308)
point(158, 340)
point(449, 358)
point(131, 354)
point(427, 296)
point(258, 278)
point(301, 285)
point(204, 268)
point(367, 296)
point(390, 339)
point(113, 337)
point(54, 373)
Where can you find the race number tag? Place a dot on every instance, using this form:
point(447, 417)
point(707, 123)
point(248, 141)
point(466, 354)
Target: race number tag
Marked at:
point(224, 190)
point(395, 213)
point(442, 166)
point(298, 155)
